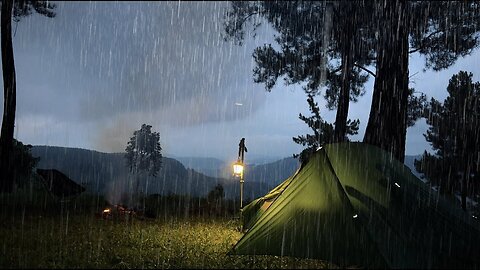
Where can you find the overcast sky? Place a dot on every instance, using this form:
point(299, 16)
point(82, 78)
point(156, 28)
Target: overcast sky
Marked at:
point(93, 74)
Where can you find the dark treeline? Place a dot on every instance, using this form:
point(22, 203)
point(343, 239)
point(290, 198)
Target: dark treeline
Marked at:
point(454, 133)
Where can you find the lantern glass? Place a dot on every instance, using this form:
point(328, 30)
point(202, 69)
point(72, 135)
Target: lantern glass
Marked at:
point(237, 169)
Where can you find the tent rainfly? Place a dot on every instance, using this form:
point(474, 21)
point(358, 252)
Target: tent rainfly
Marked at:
point(355, 205)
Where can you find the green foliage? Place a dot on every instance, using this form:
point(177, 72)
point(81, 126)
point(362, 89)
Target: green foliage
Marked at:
point(454, 135)
point(322, 131)
point(333, 85)
point(321, 44)
point(81, 241)
point(38, 232)
point(442, 31)
point(319, 40)
point(303, 30)
point(143, 152)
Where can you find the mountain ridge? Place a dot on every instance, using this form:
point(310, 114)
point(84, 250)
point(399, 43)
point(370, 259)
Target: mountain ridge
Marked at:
point(107, 174)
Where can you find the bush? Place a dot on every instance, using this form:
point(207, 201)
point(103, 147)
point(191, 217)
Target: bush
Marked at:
point(185, 206)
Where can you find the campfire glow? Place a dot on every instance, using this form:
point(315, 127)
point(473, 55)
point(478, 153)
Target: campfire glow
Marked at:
point(117, 212)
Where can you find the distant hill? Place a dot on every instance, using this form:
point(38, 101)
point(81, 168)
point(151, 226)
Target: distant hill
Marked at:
point(208, 166)
point(273, 173)
point(270, 174)
point(106, 173)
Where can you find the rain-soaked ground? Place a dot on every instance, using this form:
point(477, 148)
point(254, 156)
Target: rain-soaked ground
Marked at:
point(37, 232)
point(88, 242)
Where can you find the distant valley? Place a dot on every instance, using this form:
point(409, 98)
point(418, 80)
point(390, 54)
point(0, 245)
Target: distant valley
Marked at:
point(106, 173)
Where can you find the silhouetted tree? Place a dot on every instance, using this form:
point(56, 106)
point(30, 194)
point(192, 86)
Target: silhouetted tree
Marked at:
point(17, 9)
point(24, 162)
point(143, 152)
point(385, 32)
point(215, 200)
point(454, 134)
point(321, 44)
point(440, 30)
point(416, 107)
point(216, 194)
point(323, 132)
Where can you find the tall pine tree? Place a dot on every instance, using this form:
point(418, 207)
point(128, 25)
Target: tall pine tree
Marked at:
point(383, 33)
point(454, 134)
point(322, 44)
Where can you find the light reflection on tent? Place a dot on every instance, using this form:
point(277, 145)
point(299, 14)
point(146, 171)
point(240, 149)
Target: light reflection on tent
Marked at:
point(310, 214)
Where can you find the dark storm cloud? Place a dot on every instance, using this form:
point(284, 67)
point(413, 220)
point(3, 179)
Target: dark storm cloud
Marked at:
point(98, 70)
point(139, 57)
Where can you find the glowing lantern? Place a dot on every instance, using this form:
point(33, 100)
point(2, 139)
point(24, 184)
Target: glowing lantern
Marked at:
point(238, 169)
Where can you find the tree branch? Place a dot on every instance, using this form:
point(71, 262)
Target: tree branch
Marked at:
point(248, 16)
point(424, 41)
point(337, 70)
point(365, 69)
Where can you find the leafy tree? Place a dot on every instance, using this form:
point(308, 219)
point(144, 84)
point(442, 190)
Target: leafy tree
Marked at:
point(384, 32)
point(17, 9)
point(143, 152)
point(454, 134)
point(322, 44)
point(323, 132)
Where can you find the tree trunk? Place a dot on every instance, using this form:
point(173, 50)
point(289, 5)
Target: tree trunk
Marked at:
point(465, 178)
point(466, 173)
point(9, 96)
point(387, 123)
point(344, 95)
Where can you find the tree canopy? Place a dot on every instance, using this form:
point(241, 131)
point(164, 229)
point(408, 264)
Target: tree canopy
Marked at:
point(323, 132)
point(320, 45)
point(331, 44)
point(143, 151)
point(454, 135)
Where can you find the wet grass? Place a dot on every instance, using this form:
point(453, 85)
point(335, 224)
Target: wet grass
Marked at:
point(83, 241)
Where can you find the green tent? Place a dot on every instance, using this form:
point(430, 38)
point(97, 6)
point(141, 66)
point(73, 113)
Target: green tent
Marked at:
point(354, 204)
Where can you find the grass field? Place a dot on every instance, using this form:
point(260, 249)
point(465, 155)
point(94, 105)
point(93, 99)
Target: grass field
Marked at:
point(88, 242)
point(72, 237)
